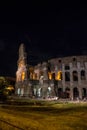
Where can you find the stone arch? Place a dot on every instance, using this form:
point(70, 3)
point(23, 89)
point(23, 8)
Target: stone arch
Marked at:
point(49, 91)
point(22, 91)
point(39, 92)
point(75, 93)
point(59, 75)
point(60, 92)
point(18, 91)
point(84, 92)
point(67, 92)
point(75, 76)
point(53, 75)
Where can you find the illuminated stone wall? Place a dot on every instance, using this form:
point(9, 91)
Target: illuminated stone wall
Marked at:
point(64, 77)
point(21, 73)
point(22, 85)
point(69, 73)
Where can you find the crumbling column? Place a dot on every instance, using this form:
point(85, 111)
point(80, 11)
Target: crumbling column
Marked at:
point(45, 71)
point(80, 93)
point(71, 93)
point(86, 70)
point(63, 77)
point(79, 78)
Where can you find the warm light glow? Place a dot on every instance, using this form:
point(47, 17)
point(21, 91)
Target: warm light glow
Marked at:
point(31, 75)
point(59, 75)
point(23, 75)
point(34, 76)
point(31, 69)
point(21, 63)
point(10, 88)
point(50, 75)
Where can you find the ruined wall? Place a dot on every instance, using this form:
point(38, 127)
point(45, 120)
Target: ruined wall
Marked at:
point(64, 77)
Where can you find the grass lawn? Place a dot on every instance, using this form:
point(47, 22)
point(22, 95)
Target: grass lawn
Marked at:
point(45, 116)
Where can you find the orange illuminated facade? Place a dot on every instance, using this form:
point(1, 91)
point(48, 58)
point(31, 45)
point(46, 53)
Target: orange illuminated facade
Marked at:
point(59, 75)
point(63, 77)
point(50, 75)
point(23, 76)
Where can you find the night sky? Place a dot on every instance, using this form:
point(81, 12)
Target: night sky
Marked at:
point(47, 30)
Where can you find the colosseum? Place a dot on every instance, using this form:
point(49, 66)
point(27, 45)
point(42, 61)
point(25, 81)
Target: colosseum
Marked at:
point(64, 77)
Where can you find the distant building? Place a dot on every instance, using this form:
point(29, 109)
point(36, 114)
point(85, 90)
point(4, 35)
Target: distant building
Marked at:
point(62, 77)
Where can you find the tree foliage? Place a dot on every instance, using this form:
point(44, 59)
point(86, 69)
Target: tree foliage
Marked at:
point(4, 85)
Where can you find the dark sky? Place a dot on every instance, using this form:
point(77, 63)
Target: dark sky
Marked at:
point(47, 30)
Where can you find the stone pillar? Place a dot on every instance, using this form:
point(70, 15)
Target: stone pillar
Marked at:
point(80, 93)
point(44, 90)
point(86, 70)
point(26, 74)
point(79, 78)
point(71, 81)
point(16, 89)
point(37, 72)
point(45, 71)
point(54, 88)
point(71, 93)
point(29, 91)
point(71, 75)
point(63, 77)
point(39, 69)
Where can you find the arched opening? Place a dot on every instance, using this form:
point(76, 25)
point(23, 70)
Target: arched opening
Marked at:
point(22, 91)
point(39, 92)
point(75, 76)
point(67, 76)
point(74, 59)
point(35, 76)
point(23, 76)
point(67, 67)
point(18, 91)
point(82, 75)
point(31, 71)
point(34, 91)
point(67, 92)
point(83, 92)
point(75, 93)
point(60, 92)
point(53, 76)
point(49, 75)
point(49, 91)
point(59, 75)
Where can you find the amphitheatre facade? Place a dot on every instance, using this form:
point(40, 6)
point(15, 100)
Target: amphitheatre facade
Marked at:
point(64, 77)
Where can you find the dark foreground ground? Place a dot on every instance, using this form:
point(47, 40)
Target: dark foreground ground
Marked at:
point(43, 115)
